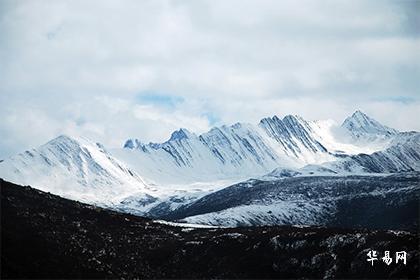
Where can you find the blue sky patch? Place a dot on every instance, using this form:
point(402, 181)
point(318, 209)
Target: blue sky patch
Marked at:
point(159, 99)
point(212, 118)
point(399, 99)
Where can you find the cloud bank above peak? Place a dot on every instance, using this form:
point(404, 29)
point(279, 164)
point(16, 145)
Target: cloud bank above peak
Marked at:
point(114, 70)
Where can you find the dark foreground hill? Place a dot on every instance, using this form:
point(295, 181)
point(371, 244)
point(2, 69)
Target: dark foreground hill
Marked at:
point(45, 236)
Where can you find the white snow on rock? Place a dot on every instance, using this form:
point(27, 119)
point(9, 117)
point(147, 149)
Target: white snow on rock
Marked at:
point(74, 168)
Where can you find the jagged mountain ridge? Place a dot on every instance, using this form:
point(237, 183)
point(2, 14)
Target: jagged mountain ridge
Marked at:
point(239, 151)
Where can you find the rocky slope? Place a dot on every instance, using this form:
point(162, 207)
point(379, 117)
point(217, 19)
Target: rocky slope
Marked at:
point(45, 236)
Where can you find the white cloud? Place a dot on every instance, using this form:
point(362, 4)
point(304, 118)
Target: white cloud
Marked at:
point(79, 66)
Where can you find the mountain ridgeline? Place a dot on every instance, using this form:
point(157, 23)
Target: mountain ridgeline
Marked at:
point(242, 151)
point(239, 149)
point(173, 179)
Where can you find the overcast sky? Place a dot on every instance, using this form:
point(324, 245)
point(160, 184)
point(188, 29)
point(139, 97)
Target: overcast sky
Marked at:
point(112, 70)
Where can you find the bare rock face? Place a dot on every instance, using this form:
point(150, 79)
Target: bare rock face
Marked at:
point(45, 236)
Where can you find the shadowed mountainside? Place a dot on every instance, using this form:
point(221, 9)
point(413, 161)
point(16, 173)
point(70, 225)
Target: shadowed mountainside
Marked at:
point(373, 202)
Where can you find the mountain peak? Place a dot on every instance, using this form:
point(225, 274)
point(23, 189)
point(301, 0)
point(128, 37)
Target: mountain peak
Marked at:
point(359, 124)
point(237, 125)
point(360, 116)
point(133, 144)
point(276, 119)
point(293, 118)
point(359, 120)
point(73, 141)
point(181, 133)
point(359, 112)
point(288, 118)
point(63, 139)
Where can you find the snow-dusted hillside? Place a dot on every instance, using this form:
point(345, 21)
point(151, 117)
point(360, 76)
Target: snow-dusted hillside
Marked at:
point(402, 155)
point(321, 200)
point(74, 168)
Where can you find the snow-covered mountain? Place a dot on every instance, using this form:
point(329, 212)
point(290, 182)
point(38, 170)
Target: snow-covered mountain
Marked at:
point(403, 158)
point(235, 152)
point(317, 194)
point(158, 178)
point(227, 152)
point(364, 128)
point(242, 150)
point(74, 168)
point(402, 155)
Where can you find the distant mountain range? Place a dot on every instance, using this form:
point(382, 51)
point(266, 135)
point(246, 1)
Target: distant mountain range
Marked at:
point(156, 179)
point(242, 150)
